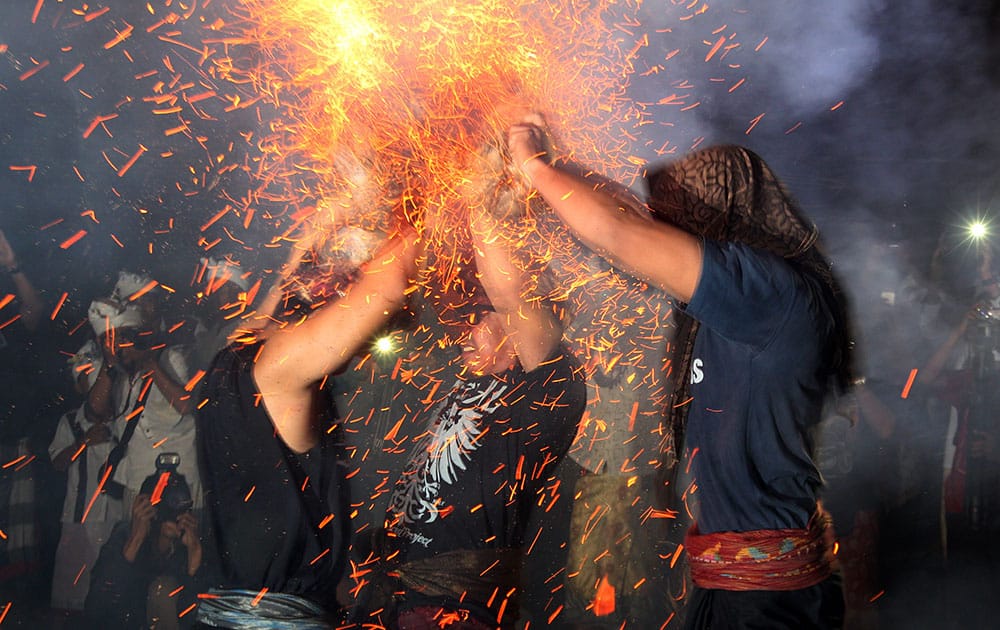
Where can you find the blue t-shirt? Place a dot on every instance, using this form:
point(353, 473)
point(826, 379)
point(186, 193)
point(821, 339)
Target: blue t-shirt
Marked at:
point(759, 374)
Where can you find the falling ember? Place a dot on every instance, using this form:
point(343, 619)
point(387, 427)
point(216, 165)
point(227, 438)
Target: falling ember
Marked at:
point(30, 169)
point(909, 383)
point(131, 161)
point(59, 305)
point(753, 123)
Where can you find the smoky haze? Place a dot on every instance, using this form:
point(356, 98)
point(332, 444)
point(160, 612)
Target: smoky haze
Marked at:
point(879, 116)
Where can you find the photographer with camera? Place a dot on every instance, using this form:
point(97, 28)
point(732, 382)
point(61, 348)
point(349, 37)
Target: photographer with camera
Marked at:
point(140, 393)
point(965, 374)
point(151, 570)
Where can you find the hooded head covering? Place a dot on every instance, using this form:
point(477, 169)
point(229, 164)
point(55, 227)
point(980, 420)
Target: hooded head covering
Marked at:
point(728, 193)
point(129, 284)
point(106, 314)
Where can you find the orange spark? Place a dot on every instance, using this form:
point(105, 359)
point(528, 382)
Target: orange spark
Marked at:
point(909, 383)
point(97, 121)
point(30, 170)
point(753, 123)
point(132, 160)
point(33, 71)
point(73, 239)
point(72, 73)
point(161, 485)
point(260, 596)
point(715, 48)
point(119, 37)
point(59, 305)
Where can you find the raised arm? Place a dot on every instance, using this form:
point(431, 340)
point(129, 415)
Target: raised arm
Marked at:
point(654, 251)
point(31, 303)
point(532, 329)
point(295, 359)
point(269, 304)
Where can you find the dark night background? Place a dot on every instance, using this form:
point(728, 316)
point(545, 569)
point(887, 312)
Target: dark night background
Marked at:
point(879, 116)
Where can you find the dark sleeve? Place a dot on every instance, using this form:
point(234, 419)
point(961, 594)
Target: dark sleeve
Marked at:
point(117, 594)
point(242, 470)
point(262, 513)
point(744, 294)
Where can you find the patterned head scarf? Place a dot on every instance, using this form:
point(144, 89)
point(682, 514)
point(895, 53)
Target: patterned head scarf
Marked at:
point(728, 193)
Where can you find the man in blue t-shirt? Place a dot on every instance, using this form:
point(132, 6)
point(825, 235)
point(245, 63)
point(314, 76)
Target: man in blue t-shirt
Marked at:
point(770, 338)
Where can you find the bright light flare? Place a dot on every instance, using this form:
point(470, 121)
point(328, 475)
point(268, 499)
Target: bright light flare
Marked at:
point(978, 230)
point(385, 345)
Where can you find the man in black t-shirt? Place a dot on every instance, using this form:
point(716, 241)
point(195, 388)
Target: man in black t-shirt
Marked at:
point(455, 526)
point(274, 491)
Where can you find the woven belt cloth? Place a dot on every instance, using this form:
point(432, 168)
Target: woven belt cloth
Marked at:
point(238, 608)
point(763, 560)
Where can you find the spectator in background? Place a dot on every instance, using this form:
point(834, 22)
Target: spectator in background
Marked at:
point(143, 291)
point(964, 373)
point(23, 370)
point(80, 448)
point(140, 391)
point(152, 568)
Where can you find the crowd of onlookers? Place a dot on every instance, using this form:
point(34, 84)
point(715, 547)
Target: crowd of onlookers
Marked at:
point(911, 457)
point(104, 431)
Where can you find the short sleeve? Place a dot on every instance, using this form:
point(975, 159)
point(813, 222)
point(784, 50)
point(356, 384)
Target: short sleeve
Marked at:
point(744, 294)
point(63, 437)
point(176, 364)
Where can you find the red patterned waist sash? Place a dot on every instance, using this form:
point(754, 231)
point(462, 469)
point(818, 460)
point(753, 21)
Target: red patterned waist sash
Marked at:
point(763, 560)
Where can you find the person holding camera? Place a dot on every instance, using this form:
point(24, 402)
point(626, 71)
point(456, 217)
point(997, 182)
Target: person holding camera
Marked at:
point(152, 568)
point(140, 392)
point(964, 373)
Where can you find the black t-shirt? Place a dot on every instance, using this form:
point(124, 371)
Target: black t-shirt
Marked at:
point(473, 476)
point(267, 529)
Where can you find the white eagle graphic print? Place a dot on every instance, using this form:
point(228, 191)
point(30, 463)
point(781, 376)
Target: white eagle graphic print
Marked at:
point(441, 455)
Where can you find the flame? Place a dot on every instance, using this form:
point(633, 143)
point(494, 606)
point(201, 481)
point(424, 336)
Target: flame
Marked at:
point(387, 109)
point(604, 601)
